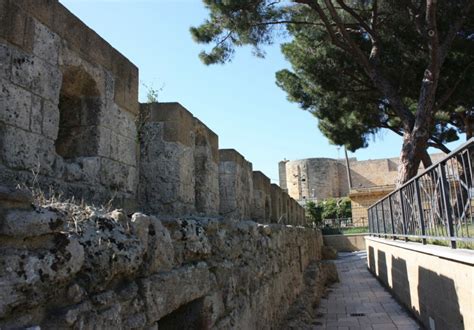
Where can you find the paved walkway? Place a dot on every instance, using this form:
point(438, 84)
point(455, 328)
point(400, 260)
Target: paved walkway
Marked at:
point(358, 301)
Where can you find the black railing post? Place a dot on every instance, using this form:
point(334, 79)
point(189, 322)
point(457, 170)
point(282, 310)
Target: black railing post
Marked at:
point(383, 220)
point(447, 203)
point(377, 218)
point(420, 209)
point(391, 215)
point(404, 220)
point(369, 215)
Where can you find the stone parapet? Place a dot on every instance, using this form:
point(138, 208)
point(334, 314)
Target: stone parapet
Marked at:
point(167, 159)
point(235, 185)
point(19, 26)
point(276, 196)
point(206, 169)
point(262, 201)
point(69, 104)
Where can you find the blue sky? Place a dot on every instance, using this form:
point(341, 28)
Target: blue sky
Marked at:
point(239, 101)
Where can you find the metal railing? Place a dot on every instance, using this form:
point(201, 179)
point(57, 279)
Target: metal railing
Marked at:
point(339, 222)
point(435, 207)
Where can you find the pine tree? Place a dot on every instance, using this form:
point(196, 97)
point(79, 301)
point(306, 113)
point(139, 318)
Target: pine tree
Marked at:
point(360, 66)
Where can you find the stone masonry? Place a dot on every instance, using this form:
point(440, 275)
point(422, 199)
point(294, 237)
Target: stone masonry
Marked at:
point(71, 124)
point(200, 238)
point(68, 108)
point(321, 178)
point(64, 266)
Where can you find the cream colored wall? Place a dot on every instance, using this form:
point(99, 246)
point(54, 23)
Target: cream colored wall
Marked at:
point(434, 282)
point(345, 243)
point(360, 205)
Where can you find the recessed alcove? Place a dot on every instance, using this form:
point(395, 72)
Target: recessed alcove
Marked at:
point(187, 317)
point(79, 108)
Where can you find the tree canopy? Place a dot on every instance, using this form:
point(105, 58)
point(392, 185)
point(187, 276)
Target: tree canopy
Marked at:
point(362, 66)
point(330, 208)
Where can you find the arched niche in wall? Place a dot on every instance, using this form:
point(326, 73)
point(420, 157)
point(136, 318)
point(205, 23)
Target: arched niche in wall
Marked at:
point(79, 108)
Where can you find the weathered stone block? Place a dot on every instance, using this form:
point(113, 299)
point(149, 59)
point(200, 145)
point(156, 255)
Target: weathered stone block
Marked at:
point(132, 180)
point(37, 75)
point(36, 117)
point(19, 223)
point(235, 185)
point(261, 207)
point(85, 169)
point(26, 151)
point(275, 193)
point(166, 292)
point(285, 215)
point(15, 25)
point(15, 105)
point(179, 122)
point(167, 179)
point(127, 150)
point(206, 170)
point(12, 198)
point(46, 43)
point(50, 117)
point(114, 175)
point(5, 62)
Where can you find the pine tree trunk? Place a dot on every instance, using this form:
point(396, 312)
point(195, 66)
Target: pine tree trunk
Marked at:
point(413, 152)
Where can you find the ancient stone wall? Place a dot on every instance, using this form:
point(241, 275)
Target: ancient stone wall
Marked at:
point(322, 178)
point(70, 124)
point(68, 105)
point(68, 267)
point(314, 178)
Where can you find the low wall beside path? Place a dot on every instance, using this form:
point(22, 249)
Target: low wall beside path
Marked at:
point(345, 243)
point(435, 283)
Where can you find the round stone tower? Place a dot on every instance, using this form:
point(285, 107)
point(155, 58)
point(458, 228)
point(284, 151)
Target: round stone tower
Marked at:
point(314, 178)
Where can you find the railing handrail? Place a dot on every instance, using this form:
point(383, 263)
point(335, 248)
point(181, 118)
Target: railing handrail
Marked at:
point(436, 204)
point(447, 157)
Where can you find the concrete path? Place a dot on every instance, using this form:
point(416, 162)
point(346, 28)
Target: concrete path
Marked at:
point(358, 301)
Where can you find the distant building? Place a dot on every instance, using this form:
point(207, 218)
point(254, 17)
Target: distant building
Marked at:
point(316, 179)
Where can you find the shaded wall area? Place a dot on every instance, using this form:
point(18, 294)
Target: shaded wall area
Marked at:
point(433, 282)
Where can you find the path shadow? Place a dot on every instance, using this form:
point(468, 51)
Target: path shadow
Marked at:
point(371, 260)
point(382, 267)
point(400, 283)
point(439, 302)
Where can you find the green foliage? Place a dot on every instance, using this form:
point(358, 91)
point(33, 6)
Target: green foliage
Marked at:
point(314, 212)
point(152, 93)
point(328, 81)
point(330, 208)
point(345, 209)
point(344, 231)
point(336, 208)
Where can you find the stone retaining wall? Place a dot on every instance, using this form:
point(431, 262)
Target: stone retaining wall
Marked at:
point(70, 267)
